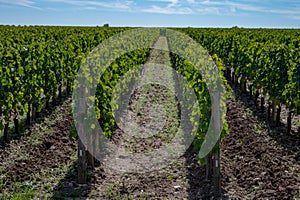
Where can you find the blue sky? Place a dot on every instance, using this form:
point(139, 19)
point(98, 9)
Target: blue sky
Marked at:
point(163, 13)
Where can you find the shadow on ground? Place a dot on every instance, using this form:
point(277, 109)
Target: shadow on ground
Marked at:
point(289, 142)
point(39, 119)
point(199, 186)
point(68, 186)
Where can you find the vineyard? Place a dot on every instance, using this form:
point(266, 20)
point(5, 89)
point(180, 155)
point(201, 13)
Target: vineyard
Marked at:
point(265, 62)
point(227, 114)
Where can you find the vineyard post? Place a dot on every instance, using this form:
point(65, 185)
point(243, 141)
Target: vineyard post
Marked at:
point(232, 77)
point(216, 170)
point(16, 123)
point(273, 110)
point(269, 110)
point(90, 153)
point(227, 73)
point(5, 136)
point(236, 80)
point(82, 138)
point(245, 86)
point(262, 104)
point(81, 161)
point(209, 167)
point(278, 115)
point(250, 91)
point(33, 113)
point(216, 153)
point(256, 97)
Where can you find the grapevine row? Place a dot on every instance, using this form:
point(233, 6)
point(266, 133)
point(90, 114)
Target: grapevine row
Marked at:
point(36, 63)
point(267, 61)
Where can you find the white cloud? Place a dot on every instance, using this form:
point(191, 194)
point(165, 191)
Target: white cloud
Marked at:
point(295, 17)
point(171, 3)
point(233, 7)
point(290, 12)
point(166, 1)
point(115, 5)
point(96, 4)
point(242, 6)
point(89, 8)
point(157, 9)
point(172, 7)
point(191, 1)
point(209, 10)
point(25, 3)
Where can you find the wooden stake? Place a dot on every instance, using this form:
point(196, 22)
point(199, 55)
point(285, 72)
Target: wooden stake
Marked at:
point(209, 168)
point(262, 104)
point(278, 115)
point(81, 162)
point(90, 152)
point(216, 154)
point(273, 110)
point(5, 134)
point(250, 91)
point(16, 123)
point(217, 173)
